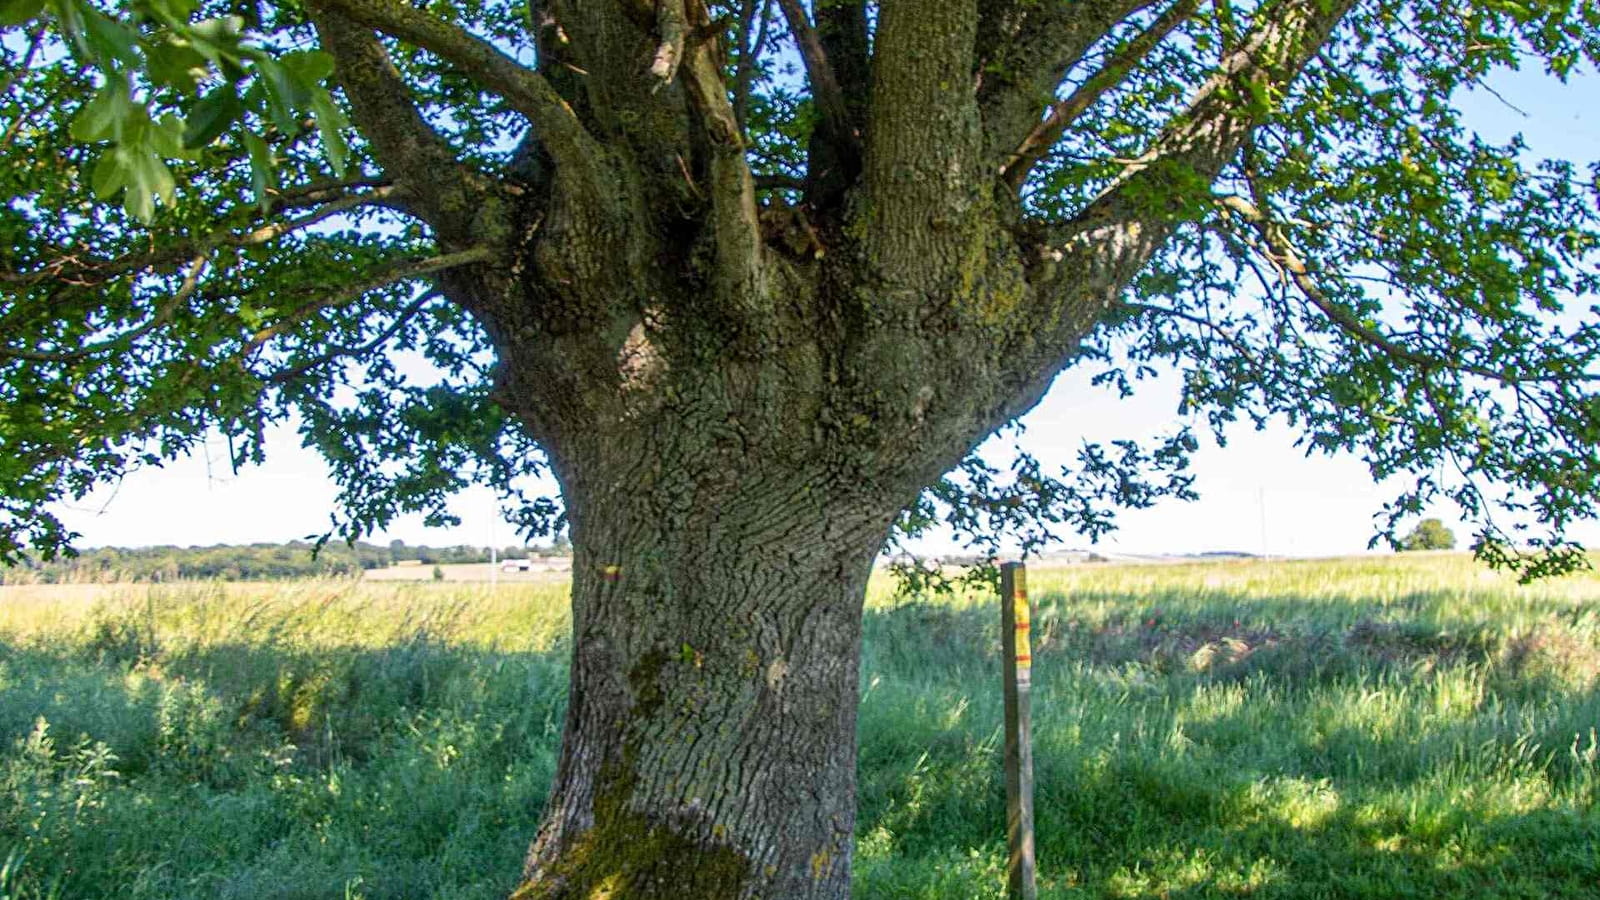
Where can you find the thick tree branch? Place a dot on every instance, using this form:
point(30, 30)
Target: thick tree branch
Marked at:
point(673, 29)
point(1064, 112)
point(836, 53)
point(614, 42)
point(842, 28)
point(525, 89)
point(732, 189)
point(1085, 264)
point(1194, 147)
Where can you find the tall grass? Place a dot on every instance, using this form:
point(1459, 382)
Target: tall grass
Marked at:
point(1359, 728)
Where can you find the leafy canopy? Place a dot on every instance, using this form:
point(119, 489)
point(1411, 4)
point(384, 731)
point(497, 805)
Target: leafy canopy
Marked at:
point(196, 238)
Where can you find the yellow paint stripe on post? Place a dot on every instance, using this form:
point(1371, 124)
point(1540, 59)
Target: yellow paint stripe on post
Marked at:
point(1022, 647)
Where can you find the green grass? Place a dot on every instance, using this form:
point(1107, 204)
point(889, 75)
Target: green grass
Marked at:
point(1358, 728)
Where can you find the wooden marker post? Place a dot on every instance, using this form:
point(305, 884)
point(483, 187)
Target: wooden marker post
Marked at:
point(1015, 624)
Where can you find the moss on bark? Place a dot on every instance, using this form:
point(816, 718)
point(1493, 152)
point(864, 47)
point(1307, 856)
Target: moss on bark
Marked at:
point(627, 857)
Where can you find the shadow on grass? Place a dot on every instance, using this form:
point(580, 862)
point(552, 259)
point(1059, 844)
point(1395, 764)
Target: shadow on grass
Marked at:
point(1261, 835)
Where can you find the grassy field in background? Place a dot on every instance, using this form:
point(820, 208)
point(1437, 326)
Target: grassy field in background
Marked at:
point(1359, 728)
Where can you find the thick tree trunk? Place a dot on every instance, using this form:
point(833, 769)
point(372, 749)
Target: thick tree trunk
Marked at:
point(709, 750)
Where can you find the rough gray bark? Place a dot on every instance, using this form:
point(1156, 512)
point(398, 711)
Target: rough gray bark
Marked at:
point(738, 399)
point(709, 748)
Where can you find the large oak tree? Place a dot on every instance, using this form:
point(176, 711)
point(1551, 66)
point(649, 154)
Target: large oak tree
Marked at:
point(751, 278)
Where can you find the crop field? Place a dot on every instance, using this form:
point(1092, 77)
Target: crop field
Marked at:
point(1384, 727)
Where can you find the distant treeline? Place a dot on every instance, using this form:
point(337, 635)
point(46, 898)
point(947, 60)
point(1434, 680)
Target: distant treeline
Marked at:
point(252, 562)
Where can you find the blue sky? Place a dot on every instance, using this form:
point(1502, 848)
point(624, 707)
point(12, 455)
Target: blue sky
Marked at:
point(1258, 494)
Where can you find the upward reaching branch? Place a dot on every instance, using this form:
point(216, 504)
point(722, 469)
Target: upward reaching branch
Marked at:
point(1028, 49)
point(842, 28)
point(1115, 235)
point(824, 83)
point(1114, 72)
point(733, 197)
point(526, 90)
point(923, 154)
point(836, 55)
point(410, 151)
point(1210, 132)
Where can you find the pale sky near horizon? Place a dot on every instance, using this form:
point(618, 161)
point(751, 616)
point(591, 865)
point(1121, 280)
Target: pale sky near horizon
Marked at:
point(1259, 494)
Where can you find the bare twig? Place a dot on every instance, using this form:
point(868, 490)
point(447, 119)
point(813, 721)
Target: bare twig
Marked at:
point(402, 270)
point(92, 272)
point(163, 314)
point(344, 352)
point(1275, 246)
point(779, 183)
point(35, 41)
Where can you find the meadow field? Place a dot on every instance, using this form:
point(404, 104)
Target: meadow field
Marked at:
point(1374, 728)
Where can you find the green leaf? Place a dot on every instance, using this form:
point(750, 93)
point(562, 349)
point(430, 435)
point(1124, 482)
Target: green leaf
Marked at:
point(111, 40)
point(285, 94)
point(137, 202)
point(263, 172)
point(218, 41)
point(100, 117)
point(212, 115)
point(16, 12)
point(330, 127)
point(165, 138)
point(309, 67)
point(176, 65)
point(148, 178)
point(110, 173)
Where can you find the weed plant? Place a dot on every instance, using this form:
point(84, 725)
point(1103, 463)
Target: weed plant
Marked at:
point(1376, 728)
